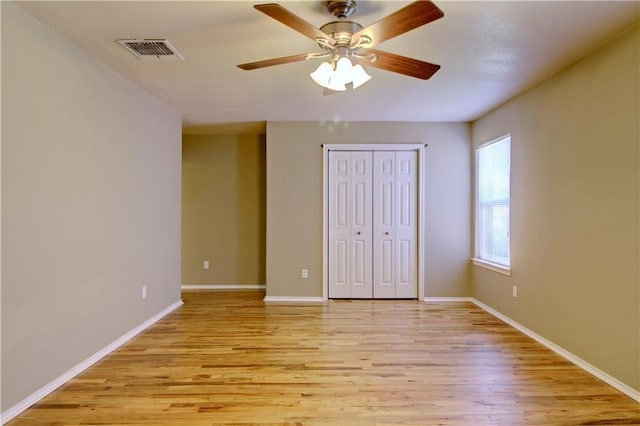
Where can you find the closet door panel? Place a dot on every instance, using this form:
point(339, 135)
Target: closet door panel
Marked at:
point(350, 245)
point(361, 225)
point(406, 226)
point(339, 245)
point(384, 218)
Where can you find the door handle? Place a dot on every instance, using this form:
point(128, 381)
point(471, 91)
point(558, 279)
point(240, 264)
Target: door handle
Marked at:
point(358, 233)
point(386, 233)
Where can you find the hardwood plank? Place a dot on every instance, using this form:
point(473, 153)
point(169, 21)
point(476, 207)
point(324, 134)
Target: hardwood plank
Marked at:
point(226, 358)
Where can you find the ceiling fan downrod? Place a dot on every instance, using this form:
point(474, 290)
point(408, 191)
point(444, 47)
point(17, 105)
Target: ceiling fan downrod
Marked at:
point(341, 9)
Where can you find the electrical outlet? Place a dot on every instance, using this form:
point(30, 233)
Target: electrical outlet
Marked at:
point(205, 264)
point(144, 291)
point(304, 273)
point(514, 291)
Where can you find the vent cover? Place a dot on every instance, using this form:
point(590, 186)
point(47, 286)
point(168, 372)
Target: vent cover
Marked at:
point(154, 49)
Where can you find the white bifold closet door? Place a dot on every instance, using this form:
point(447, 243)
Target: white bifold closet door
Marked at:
point(350, 225)
point(394, 224)
point(372, 224)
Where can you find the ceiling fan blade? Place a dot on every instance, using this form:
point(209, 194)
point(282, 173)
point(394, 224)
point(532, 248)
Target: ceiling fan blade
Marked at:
point(272, 62)
point(399, 22)
point(402, 65)
point(291, 20)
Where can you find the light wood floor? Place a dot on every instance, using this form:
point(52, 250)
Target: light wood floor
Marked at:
point(227, 358)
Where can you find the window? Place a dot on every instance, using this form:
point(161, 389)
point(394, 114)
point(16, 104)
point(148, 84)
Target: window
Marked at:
point(493, 167)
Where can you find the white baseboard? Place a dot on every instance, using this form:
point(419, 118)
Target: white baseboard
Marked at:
point(612, 381)
point(447, 299)
point(70, 374)
point(225, 287)
point(293, 299)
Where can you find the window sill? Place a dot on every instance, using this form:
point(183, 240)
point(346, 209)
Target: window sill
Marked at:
point(492, 266)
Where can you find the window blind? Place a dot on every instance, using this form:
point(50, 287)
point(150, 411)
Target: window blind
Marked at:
point(493, 168)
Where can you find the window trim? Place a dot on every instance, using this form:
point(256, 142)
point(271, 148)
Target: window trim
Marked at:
point(501, 269)
point(476, 260)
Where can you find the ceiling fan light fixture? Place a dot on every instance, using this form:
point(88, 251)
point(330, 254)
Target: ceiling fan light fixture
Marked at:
point(336, 77)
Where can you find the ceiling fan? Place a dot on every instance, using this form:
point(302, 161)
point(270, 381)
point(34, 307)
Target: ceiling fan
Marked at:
point(346, 43)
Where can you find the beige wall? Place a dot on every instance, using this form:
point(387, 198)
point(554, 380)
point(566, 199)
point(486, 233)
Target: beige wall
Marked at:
point(294, 200)
point(90, 206)
point(575, 190)
point(223, 209)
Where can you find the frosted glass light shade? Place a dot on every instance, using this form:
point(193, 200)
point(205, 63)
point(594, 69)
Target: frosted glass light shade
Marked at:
point(359, 76)
point(336, 84)
point(322, 74)
point(344, 70)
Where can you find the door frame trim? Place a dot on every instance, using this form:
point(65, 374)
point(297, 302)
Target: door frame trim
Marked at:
point(326, 148)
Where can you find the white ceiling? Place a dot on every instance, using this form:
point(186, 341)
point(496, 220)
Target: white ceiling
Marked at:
point(489, 52)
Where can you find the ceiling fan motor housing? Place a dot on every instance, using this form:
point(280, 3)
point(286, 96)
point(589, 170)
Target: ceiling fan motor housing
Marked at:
point(341, 9)
point(341, 31)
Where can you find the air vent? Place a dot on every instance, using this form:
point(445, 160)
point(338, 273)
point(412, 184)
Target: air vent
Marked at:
point(154, 49)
